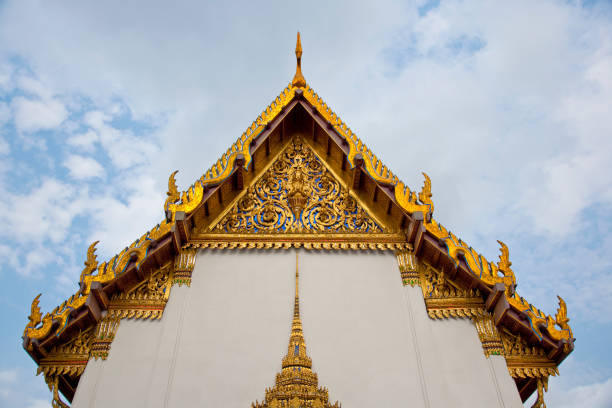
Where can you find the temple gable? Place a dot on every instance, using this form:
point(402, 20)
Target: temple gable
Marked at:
point(297, 194)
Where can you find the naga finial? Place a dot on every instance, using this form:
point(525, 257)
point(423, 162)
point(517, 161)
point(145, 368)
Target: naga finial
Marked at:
point(91, 263)
point(35, 316)
point(173, 194)
point(298, 78)
point(425, 194)
point(561, 318)
point(504, 266)
point(504, 257)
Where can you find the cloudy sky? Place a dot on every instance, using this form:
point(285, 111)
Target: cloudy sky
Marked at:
point(506, 105)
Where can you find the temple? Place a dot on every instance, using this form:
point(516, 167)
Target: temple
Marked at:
point(396, 308)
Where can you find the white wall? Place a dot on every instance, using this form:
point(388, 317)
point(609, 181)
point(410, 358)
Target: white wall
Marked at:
point(220, 342)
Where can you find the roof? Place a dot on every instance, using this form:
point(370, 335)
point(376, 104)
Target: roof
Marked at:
point(187, 213)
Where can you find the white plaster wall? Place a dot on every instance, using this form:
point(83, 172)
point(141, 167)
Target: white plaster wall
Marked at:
point(220, 341)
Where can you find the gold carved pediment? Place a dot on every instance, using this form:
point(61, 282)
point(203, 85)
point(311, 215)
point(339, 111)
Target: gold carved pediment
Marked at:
point(297, 194)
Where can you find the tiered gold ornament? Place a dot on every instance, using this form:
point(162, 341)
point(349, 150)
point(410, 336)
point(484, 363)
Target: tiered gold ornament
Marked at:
point(296, 385)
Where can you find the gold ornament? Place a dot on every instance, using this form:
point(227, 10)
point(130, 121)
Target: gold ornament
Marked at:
point(103, 337)
point(297, 194)
point(542, 386)
point(146, 301)
point(298, 79)
point(183, 267)
point(444, 299)
point(91, 263)
point(525, 361)
point(68, 359)
point(173, 194)
point(296, 385)
point(52, 383)
point(408, 267)
point(333, 241)
point(488, 335)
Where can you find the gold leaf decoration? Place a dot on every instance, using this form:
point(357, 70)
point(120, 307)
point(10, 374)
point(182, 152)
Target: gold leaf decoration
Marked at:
point(443, 299)
point(296, 195)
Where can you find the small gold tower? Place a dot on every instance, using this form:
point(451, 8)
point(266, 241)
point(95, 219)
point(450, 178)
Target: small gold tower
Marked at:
point(296, 385)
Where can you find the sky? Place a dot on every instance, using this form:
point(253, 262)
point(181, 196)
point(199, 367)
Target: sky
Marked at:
point(506, 105)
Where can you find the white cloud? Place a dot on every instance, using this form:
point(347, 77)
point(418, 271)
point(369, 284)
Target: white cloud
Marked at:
point(121, 221)
point(44, 213)
point(124, 149)
point(5, 113)
point(34, 87)
point(5, 148)
point(82, 167)
point(85, 141)
point(8, 376)
point(38, 403)
point(596, 395)
point(33, 115)
point(5, 76)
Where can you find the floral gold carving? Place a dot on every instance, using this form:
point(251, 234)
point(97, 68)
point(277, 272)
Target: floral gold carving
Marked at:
point(408, 267)
point(296, 385)
point(68, 359)
point(443, 299)
point(296, 195)
point(488, 335)
point(147, 301)
point(103, 337)
point(341, 243)
point(183, 267)
point(525, 361)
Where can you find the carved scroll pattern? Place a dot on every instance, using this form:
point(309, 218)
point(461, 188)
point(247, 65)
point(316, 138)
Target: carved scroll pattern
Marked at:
point(297, 194)
point(489, 335)
point(408, 267)
point(67, 359)
point(526, 361)
point(443, 299)
point(183, 267)
point(146, 301)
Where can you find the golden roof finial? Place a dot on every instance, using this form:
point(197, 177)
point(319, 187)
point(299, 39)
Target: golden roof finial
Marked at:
point(298, 78)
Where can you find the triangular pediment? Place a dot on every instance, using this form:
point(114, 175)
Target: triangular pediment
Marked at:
point(297, 194)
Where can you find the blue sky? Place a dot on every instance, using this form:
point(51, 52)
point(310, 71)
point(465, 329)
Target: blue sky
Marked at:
point(505, 105)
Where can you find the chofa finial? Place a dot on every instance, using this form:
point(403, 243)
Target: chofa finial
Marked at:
point(298, 78)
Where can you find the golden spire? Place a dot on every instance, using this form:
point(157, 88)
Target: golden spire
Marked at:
point(296, 384)
point(296, 304)
point(296, 352)
point(298, 78)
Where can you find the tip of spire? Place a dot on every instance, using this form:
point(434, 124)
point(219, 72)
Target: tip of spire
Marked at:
point(298, 46)
point(298, 78)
